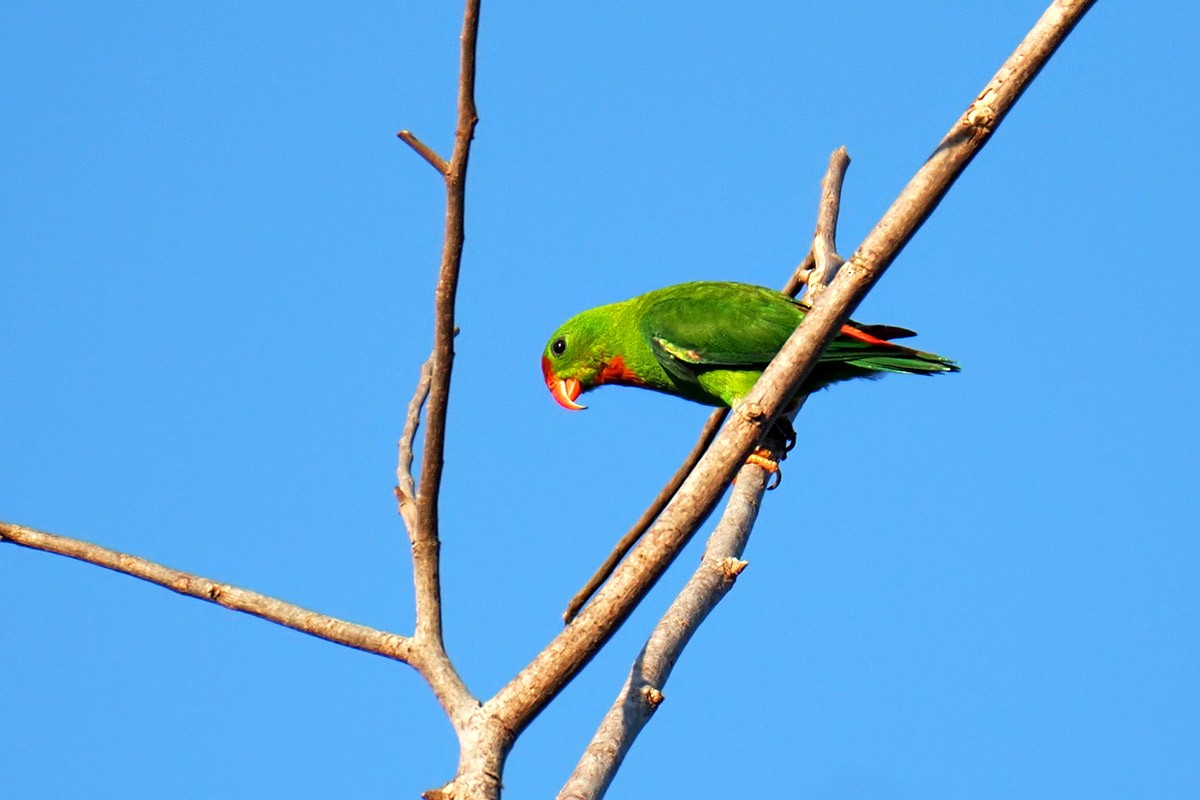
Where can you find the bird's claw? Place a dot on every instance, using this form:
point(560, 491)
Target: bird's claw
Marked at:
point(775, 479)
point(763, 458)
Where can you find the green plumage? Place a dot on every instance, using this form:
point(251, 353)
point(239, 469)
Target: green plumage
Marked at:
point(709, 342)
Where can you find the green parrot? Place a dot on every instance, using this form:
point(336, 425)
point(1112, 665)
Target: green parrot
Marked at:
point(709, 342)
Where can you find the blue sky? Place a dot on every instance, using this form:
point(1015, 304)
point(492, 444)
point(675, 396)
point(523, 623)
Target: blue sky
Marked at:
point(217, 283)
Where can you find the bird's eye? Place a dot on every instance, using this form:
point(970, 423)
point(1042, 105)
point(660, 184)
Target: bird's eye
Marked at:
point(559, 346)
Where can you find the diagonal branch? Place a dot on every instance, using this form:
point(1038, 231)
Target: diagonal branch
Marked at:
point(349, 634)
point(527, 694)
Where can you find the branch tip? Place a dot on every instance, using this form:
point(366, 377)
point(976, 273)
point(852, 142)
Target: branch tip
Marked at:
point(424, 151)
point(826, 261)
point(338, 631)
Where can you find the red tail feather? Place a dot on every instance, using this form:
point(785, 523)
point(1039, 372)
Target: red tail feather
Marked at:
point(863, 336)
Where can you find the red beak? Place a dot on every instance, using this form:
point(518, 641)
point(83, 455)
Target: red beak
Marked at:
point(564, 390)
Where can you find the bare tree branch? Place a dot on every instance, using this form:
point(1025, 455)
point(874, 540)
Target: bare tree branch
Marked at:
point(536, 685)
point(642, 693)
point(481, 756)
point(349, 634)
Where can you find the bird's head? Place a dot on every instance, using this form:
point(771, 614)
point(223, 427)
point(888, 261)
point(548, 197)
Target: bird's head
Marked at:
point(573, 359)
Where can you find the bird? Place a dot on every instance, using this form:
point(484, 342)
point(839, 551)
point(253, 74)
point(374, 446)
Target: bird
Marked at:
point(708, 342)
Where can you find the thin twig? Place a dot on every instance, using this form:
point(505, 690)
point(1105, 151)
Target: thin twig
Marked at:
point(642, 693)
point(349, 634)
point(424, 151)
point(405, 487)
point(799, 276)
point(824, 247)
point(707, 434)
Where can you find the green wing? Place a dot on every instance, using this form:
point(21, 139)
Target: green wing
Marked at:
point(706, 325)
point(703, 326)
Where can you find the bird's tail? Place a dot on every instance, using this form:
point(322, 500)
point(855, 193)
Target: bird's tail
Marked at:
point(897, 358)
point(867, 347)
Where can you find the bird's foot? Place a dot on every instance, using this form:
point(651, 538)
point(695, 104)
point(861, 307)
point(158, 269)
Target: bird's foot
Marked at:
point(762, 457)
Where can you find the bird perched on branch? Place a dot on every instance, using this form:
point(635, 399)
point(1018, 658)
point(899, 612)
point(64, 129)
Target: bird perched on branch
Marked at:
point(709, 342)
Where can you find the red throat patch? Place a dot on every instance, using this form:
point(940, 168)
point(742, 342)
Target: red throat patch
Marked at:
point(615, 371)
